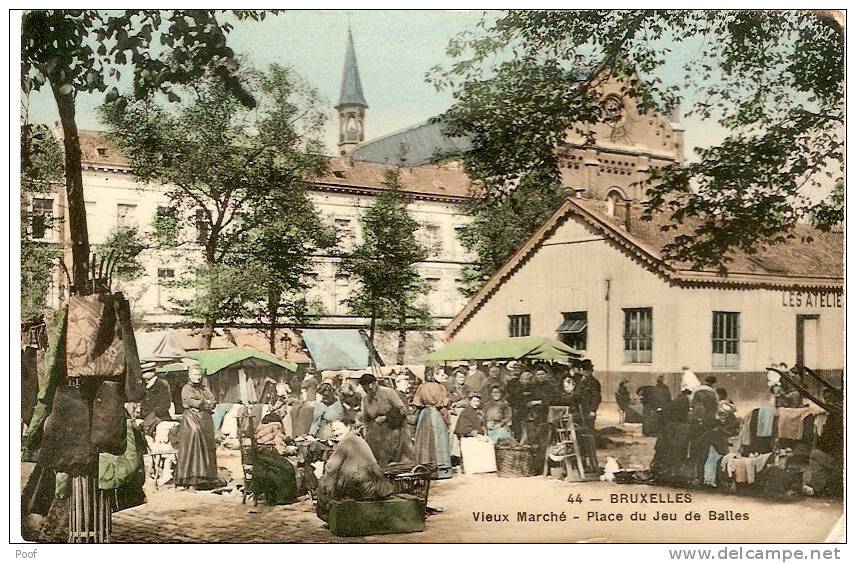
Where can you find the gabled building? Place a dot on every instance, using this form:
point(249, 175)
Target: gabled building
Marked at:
point(594, 277)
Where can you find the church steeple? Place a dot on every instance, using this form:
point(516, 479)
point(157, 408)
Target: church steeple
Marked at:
point(352, 104)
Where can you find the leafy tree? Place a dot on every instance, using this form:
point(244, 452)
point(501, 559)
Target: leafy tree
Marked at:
point(502, 222)
point(278, 253)
point(226, 171)
point(41, 169)
point(773, 80)
point(384, 267)
point(121, 250)
point(77, 51)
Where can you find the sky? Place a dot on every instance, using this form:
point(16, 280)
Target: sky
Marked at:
point(395, 50)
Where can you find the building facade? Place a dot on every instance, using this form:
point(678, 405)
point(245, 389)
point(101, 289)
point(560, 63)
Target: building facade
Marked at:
point(597, 281)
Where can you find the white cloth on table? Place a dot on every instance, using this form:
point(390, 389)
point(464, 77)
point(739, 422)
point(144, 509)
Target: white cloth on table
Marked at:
point(477, 455)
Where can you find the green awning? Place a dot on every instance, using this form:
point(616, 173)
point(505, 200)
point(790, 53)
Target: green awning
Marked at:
point(213, 361)
point(518, 348)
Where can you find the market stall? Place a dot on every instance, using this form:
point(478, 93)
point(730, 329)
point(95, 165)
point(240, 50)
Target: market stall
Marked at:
point(530, 348)
point(235, 375)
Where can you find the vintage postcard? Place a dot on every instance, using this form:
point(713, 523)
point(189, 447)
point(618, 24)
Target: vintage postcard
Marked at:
point(379, 276)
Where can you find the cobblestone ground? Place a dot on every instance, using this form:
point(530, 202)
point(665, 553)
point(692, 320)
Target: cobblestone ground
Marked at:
point(172, 516)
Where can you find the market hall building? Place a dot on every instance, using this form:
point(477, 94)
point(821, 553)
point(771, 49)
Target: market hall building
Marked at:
point(593, 276)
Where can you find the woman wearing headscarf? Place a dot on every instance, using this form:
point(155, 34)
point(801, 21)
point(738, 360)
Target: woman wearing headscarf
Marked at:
point(327, 410)
point(672, 446)
point(352, 472)
point(385, 417)
point(497, 415)
point(432, 430)
point(197, 451)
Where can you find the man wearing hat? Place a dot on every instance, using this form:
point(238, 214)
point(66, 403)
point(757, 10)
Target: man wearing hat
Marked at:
point(589, 391)
point(154, 408)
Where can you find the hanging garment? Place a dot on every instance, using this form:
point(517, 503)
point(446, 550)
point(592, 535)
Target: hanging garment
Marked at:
point(94, 344)
point(756, 464)
point(710, 465)
point(766, 417)
point(115, 470)
point(791, 421)
point(135, 390)
point(54, 375)
point(108, 418)
point(65, 445)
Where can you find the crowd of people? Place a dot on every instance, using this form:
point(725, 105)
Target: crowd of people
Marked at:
point(403, 420)
point(701, 441)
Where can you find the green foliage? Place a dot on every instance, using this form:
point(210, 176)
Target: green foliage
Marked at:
point(166, 224)
point(122, 251)
point(278, 252)
point(501, 223)
point(242, 171)
point(74, 51)
point(41, 170)
point(775, 80)
point(87, 50)
point(384, 263)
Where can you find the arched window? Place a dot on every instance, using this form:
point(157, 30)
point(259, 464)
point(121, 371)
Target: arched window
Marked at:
point(613, 197)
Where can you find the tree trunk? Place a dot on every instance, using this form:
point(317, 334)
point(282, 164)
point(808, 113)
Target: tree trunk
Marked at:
point(210, 318)
point(402, 340)
point(273, 318)
point(74, 190)
point(208, 333)
point(371, 339)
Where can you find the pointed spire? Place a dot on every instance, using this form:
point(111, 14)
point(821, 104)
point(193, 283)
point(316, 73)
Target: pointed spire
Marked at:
point(352, 89)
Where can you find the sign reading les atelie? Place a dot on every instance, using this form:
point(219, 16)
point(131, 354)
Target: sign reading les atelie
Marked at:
point(823, 300)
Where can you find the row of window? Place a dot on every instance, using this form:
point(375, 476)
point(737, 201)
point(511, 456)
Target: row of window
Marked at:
point(638, 335)
point(428, 235)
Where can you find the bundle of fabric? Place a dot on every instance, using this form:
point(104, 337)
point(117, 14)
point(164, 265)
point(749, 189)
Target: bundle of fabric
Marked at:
point(274, 478)
point(108, 418)
point(271, 434)
point(791, 421)
point(66, 444)
point(100, 340)
point(478, 455)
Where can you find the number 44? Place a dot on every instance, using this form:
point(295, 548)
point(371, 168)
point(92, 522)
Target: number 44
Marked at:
point(575, 498)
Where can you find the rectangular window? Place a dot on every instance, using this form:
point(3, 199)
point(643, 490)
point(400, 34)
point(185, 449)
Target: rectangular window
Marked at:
point(203, 227)
point(726, 339)
point(574, 330)
point(345, 233)
point(638, 336)
point(42, 217)
point(126, 214)
point(166, 273)
point(432, 283)
point(429, 237)
point(518, 325)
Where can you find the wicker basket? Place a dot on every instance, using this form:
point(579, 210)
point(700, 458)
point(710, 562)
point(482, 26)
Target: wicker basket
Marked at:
point(519, 461)
point(416, 482)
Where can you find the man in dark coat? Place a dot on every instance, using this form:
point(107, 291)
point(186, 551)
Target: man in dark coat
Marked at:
point(154, 408)
point(590, 392)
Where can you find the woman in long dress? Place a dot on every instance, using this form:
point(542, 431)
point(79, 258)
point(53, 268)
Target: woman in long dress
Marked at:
point(385, 418)
point(432, 429)
point(197, 451)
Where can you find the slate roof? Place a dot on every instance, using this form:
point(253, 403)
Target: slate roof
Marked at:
point(351, 93)
point(421, 144)
point(812, 260)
